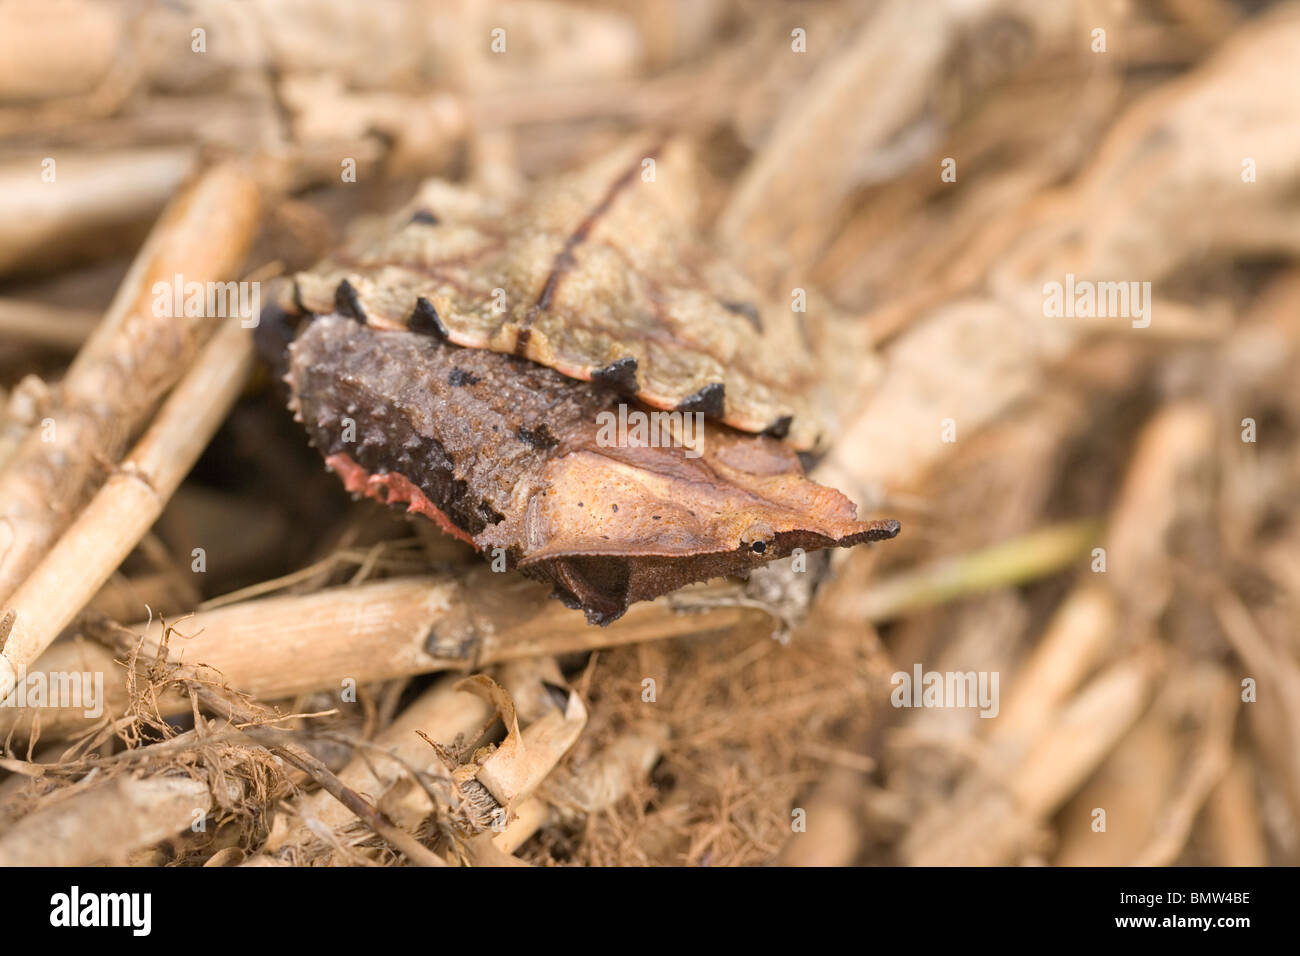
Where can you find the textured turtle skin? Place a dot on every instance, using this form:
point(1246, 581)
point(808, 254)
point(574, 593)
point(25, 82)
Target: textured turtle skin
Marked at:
point(506, 454)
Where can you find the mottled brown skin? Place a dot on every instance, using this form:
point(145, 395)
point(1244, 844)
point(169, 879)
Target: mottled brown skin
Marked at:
point(507, 451)
point(467, 425)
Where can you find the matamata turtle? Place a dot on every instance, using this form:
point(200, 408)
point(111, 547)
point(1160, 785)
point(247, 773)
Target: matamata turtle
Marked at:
point(573, 381)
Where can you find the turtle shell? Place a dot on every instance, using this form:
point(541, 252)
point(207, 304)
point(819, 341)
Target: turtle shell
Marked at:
point(598, 274)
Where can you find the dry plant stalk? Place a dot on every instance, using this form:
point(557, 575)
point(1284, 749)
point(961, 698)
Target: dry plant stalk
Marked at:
point(515, 768)
point(160, 804)
point(99, 196)
point(122, 512)
point(1236, 832)
point(254, 723)
point(862, 116)
point(374, 632)
point(986, 827)
point(106, 821)
point(992, 822)
point(571, 793)
point(48, 325)
point(1210, 758)
point(442, 712)
point(1075, 644)
point(936, 366)
point(445, 712)
point(123, 369)
point(835, 805)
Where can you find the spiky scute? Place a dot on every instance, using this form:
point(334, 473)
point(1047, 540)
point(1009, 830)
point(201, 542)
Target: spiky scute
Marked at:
point(598, 275)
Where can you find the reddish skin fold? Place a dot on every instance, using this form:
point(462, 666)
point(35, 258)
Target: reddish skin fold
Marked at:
point(392, 489)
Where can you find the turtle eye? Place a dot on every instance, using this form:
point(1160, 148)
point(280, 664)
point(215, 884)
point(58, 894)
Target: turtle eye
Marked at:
point(758, 537)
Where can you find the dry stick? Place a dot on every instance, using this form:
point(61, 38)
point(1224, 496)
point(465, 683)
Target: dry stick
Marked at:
point(1174, 446)
point(370, 632)
point(844, 118)
point(129, 362)
point(1234, 830)
point(24, 407)
point(446, 713)
point(108, 820)
point(105, 821)
point(836, 805)
point(92, 199)
point(1082, 736)
point(597, 784)
point(1133, 804)
point(403, 626)
point(987, 822)
point(1183, 743)
point(932, 366)
point(1078, 638)
point(57, 55)
point(275, 742)
point(128, 505)
point(1277, 713)
point(506, 778)
point(47, 325)
point(1210, 761)
point(415, 851)
point(74, 657)
point(492, 782)
point(511, 775)
point(441, 711)
point(1085, 628)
